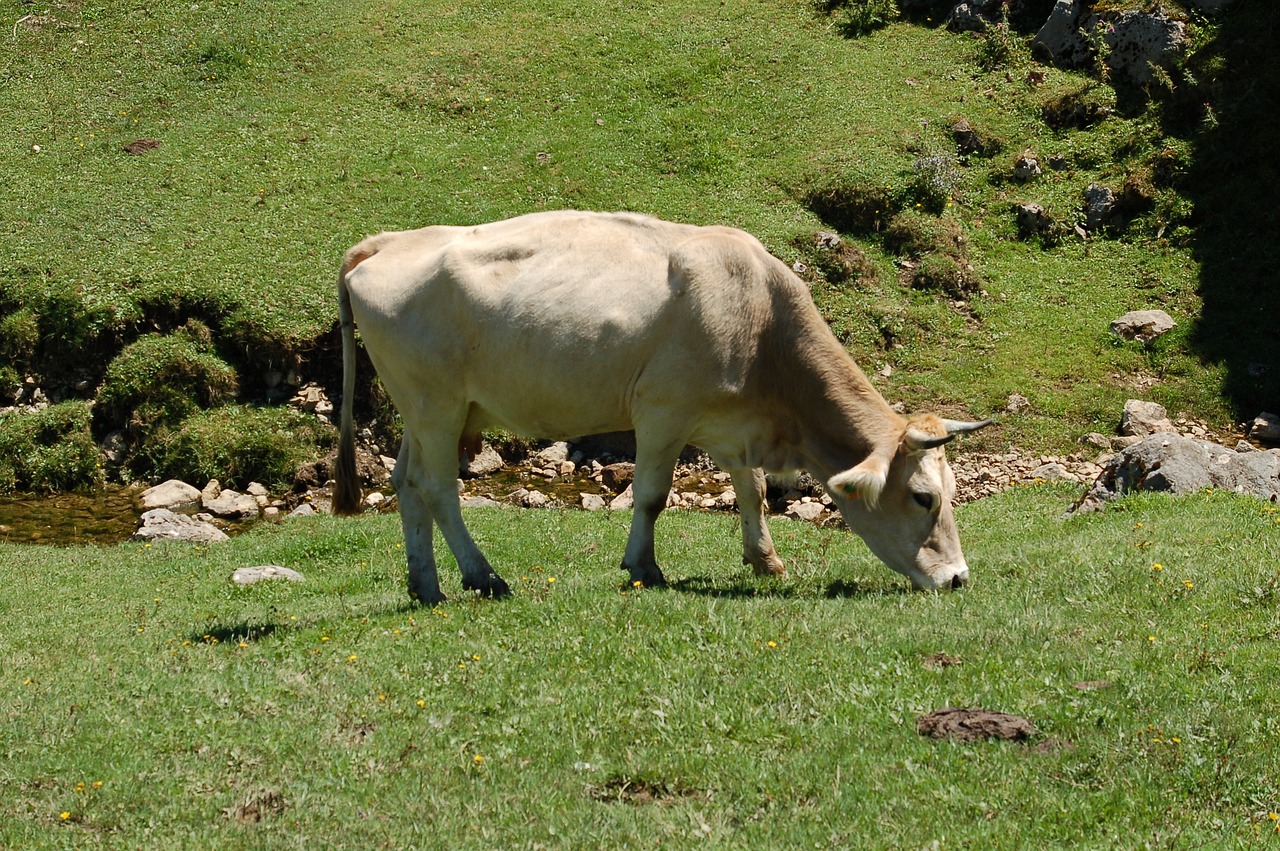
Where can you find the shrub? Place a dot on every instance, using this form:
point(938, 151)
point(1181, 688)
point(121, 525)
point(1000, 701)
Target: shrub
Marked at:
point(235, 444)
point(19, 334)
point(159, 379)
point(853, 208)
point(860, 17)
point(935, 181)
point(49, 450)
point(916, 234)
point(952, 275)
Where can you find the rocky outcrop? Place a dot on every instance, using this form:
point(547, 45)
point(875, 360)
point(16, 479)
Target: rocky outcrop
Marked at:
point(1175, 464)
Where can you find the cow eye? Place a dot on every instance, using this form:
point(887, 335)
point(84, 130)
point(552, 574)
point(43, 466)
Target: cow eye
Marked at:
point(923, 499)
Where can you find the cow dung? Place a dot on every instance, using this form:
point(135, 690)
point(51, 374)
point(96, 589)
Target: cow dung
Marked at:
point(971, 725)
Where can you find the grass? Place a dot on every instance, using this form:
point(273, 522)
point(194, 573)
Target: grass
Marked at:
point(287, 132)
point(174, 709)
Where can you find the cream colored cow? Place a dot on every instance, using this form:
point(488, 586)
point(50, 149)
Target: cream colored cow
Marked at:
point(563, 324)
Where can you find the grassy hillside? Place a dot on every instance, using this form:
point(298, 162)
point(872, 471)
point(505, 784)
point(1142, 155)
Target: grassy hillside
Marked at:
point(175, 710)
point(288, 131)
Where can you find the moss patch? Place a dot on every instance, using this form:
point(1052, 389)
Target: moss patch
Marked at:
point(49, 450)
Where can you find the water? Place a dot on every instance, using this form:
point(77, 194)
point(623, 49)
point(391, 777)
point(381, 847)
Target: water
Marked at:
point(103, 517)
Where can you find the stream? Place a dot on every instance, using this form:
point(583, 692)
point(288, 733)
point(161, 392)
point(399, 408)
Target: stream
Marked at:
point(102, 517)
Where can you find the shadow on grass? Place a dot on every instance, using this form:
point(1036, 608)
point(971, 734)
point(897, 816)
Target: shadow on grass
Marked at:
point(241, 632)
point(747, 589)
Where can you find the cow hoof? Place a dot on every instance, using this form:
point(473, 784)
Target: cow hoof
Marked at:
point(771, 566)
point(649, 577)
point(431, 599)
point(492, 585)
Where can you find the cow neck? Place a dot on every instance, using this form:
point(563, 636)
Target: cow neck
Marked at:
point(823, 407)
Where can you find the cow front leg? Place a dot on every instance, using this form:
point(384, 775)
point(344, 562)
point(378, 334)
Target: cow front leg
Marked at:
point(649, 490)
point(415, 517)
point(757, 543)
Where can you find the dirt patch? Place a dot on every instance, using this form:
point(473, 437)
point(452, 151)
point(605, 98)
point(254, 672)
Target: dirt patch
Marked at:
point(938, 661)
point(141, 146)
point(971, 725)
point(257, 807)
point(639, 792)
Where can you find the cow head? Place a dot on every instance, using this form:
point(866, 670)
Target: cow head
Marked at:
point(899, 501)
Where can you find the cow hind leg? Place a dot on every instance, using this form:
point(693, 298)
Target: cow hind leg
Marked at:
point(757, 543)
point(655, 464)
point(415, 517)
point(439, 468)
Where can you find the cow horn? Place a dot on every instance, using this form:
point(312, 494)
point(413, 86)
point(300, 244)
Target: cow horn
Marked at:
point(955, 427)
point(918, 441)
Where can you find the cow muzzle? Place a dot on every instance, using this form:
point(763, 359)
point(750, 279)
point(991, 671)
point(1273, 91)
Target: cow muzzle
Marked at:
point(943, 579)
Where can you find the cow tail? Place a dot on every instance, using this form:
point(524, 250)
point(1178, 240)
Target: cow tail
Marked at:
point(346, 489)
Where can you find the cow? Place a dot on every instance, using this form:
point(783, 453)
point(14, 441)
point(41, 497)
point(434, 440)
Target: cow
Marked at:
point(571, 323)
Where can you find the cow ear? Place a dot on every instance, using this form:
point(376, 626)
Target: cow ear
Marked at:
point(865, 481)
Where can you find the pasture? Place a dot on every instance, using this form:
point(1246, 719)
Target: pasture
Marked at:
point(152, 703)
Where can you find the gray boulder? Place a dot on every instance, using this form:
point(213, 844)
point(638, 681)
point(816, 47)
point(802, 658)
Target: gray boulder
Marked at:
point(1181, 465)
point(1059, 40)
point(161, 524)
point(486, 463)
point(1140, 42)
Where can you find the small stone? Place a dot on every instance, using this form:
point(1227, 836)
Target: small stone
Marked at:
point(252, 575)
point(592, 501)
point(304, 510)
point(1053, 472)
point(271, 512)
point(1145, 418)
point(1016, 402)
point(623, 500)
point(1143, 325)
point(374, 498)
point(617, 477)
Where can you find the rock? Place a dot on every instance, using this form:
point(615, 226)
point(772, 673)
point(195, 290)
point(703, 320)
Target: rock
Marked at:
point(311, 398)
point(231, 504)
point(1016, 402)
point(617, 477)
point(971, 725)
point(170, 494)
point(809, 511)
point(1143, 418)
point(1138, 42)
point(304, 510)
point(211, 490)
point(1181, 465)
point(480, 502)
point(1026, 168)
point(1097, 441)
point(1059, 40)
point(374, 498)
point(592, 501)
point(115, 446)
point(1053, 472)
point(1265, 427)
point(968, 17)
point(551, 455)
point(1143, 325)
point(486, 463)
point(271, 512)
point(1032, 220)
point(252, 575)
point(623, 500)
point(161, 524)
point(1099, 206)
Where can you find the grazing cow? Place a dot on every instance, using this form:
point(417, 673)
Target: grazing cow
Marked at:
point(562, 324)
